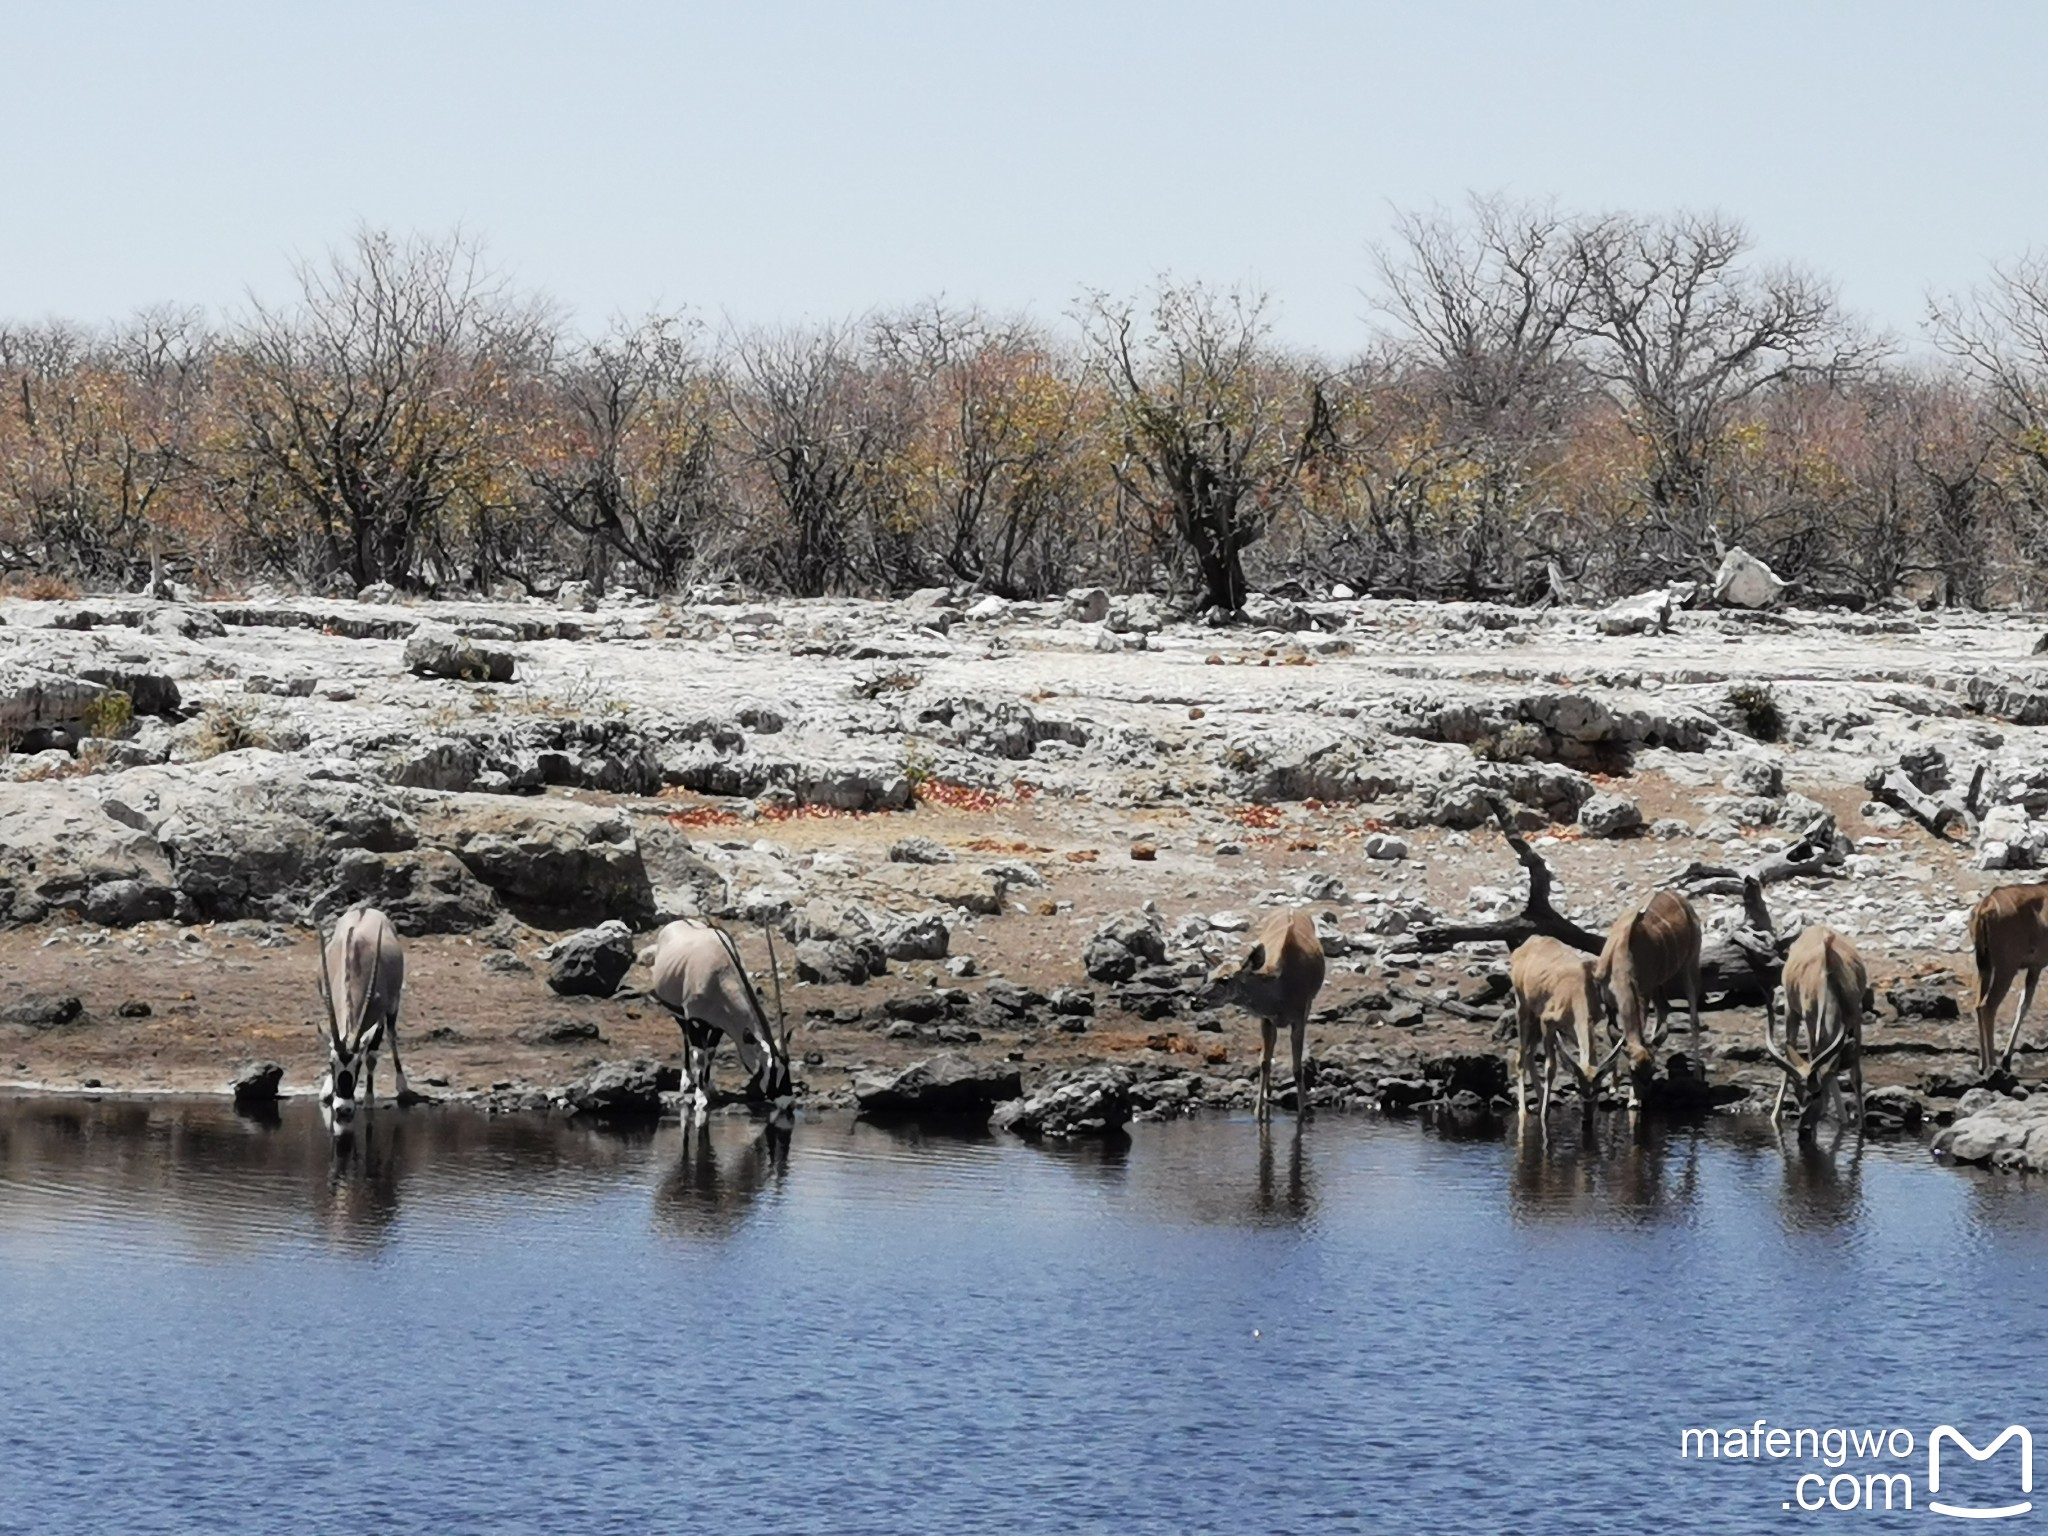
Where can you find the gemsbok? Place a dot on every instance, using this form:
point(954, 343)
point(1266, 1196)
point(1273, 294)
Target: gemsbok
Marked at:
point(2009, 931)
point(1557, 1010)
point(1646, 951)
point(363, 952)
point(1825, 988)
point(1277, 981)
point(699, 978)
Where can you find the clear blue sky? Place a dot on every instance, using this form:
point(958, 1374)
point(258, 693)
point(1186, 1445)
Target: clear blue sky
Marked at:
point(782, 161)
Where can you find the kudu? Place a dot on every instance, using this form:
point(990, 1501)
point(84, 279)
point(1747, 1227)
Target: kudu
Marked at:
point(1825, 987)
point(699, 978)
point(363, 951)
point(1646, 951)
point(1557, 1010)
point(1278, 982)
point(2009, 931)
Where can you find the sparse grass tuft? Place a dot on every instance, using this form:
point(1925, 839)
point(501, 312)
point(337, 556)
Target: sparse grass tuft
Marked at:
point(110, 714)
point(1520, 742)
point(228, 728)
point(895, 680)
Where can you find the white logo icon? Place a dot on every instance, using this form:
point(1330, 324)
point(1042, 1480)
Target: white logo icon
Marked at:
point(1971, 1511)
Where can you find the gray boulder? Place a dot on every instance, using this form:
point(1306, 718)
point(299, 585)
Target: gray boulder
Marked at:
point(839, 962)
point(434, 650)
point(946, 1088)
point(919, 850)
point(255, 1084)
point(1086, 1101)
point(621, 1090)
point(551, 862)
point(917, 938)
point(591, 963)
point(1610, 815)
point(41, 1010)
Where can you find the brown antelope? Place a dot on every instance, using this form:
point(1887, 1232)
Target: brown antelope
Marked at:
point(1557, 1007)
point(1646, 951)
point(2009, 931)
point(699, 979)
point(363, 951)
point(1278, 981)
point(1825, 989)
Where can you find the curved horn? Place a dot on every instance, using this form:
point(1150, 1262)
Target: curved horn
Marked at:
point(775, 975)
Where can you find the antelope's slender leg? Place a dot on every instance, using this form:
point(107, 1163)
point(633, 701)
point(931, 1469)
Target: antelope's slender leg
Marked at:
point(1991, 991)
point(397, 1066)
point(1692, 998)
point(1297, 1038)
point(2026, 1002)
point(1268, 1036)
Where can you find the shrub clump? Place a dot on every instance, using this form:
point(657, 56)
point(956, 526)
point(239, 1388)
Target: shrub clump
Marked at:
point(1756, 706)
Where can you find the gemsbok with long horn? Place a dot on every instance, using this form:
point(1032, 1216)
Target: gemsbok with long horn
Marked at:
point(700, 979)
point(1826, 988)
point(1647, 950)
point(2009, 931)
point(363, 954)
point(1557, 1010)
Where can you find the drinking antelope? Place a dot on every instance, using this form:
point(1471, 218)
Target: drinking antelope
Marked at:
point(698, 977)
point(1646, 951)
point(363, 950)
point(1277, 981)
point(1825, 987)
point(1557, 1008)
point(2009, 931)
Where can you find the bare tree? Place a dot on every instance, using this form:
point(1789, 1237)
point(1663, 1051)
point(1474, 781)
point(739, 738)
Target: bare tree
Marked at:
point(1482, 308)
point(369, 403)
point(992, 433)
point(634, 467)
point(1204, 407)
point(1998, 333)
point(1684, 334)
point(805, 418)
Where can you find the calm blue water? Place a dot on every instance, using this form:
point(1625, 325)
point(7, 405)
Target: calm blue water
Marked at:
point(461, 1324)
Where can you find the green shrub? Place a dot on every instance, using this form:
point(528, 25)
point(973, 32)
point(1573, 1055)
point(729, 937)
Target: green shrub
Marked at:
point(1756, 706)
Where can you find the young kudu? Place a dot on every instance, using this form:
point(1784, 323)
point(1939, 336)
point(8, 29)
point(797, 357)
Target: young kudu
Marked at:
point(1277, 981)
point(1557, 1009)
point(1647, 950)
point(2009, 931)
point(699, 978)
point(363, 952)
point(1825, 987)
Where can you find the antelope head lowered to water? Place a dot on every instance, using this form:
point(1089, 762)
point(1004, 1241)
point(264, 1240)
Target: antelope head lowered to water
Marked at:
point(1277, 982)
point(1647, 950)
point(699, 979)
point(1557, 1009)
point(1825, 990)
point(363, 954)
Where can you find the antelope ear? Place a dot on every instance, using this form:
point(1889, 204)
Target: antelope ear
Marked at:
point(1256, 960)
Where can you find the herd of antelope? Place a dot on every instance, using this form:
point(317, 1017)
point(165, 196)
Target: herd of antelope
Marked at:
point(1569, 1007)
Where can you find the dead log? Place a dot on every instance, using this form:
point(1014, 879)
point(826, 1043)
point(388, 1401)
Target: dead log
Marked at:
point(1814, 856)
point(1906, 797)
point(1537, 914)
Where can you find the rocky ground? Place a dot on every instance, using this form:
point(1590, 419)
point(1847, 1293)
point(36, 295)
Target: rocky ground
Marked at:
point(1003, 839)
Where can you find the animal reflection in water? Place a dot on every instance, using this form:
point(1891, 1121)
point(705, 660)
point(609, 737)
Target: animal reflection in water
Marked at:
point(1283, 1175)
point(357, 1201)
point(1626, 1169)
point(717, 1175)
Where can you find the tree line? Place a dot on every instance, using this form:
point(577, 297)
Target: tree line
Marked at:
point(1551, 405)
